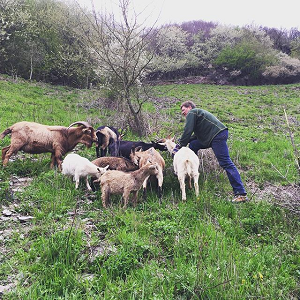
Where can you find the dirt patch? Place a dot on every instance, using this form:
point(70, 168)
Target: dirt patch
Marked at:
point(287, 196)
point(12, 224)
point(17, 184)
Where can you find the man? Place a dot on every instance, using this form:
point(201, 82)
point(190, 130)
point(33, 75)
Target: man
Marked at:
point(209, 132)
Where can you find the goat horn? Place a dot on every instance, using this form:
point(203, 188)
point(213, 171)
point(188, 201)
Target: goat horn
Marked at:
point(86, 124)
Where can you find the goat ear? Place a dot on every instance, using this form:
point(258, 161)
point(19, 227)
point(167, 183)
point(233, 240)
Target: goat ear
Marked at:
point(102, 170)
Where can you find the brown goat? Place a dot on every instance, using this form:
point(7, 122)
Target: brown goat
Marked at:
point(115, 163)
point(37, 138)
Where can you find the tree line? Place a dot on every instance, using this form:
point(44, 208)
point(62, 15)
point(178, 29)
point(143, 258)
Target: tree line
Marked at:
point(55, 42)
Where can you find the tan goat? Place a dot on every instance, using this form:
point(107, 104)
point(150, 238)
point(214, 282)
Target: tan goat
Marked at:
point(113, 163)
point(141, 158)
point(119, 182)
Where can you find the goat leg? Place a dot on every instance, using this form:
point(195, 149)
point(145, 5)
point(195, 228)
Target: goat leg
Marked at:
point(160, 179)
point(196, 184)
point(182, 187)
point(4, 158)
point(97, 151)
point(105, 197)
point(144, 193)
point(76, 178)
point(8, 151)
point(103, 152)
point(159, 192)
point(134, 197)
point(87, 184)
point(126, 194)
point(145, 188)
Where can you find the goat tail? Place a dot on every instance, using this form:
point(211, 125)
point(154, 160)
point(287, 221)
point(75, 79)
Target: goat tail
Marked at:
point(5, 132)
point(189, 167)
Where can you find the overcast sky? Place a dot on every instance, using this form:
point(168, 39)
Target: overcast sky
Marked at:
point(281, 14)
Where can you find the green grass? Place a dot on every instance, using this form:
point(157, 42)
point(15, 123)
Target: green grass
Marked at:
point(204, 248)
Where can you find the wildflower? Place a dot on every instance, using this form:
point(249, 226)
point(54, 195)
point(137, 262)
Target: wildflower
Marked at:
point(260, 276)
point(243, 281)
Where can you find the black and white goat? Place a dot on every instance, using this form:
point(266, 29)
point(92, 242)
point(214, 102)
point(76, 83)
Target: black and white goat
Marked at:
point(108, 138)
point(126, 146)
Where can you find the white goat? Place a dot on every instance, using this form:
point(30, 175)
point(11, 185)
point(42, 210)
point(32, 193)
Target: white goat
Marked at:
point(140, 158)
point(119, 182)
point(80, 167)
point(186, 164)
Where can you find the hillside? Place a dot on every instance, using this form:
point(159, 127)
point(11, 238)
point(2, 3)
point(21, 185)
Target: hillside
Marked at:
point(59, 243)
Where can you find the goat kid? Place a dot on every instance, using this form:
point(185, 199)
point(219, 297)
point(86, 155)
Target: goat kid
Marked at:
point(80, 167)
point(118, 182)
point(114, 163)
point(141, 158)
point(36, 138)
point(186, 165)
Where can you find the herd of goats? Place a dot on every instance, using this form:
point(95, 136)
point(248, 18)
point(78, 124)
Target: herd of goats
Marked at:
point(124, 172)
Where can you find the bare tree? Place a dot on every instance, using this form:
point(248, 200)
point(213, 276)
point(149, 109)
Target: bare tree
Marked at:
point(121, 51)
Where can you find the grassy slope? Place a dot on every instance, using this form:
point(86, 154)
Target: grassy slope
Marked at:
point(205, 248)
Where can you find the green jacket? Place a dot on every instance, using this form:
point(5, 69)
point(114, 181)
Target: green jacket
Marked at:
point(203, 124)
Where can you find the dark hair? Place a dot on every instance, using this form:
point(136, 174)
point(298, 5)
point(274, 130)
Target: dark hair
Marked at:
point(188, 104)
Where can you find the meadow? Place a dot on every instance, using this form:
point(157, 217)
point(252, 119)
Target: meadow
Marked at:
point(69, 247)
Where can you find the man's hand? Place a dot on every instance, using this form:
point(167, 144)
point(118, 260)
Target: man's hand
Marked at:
point(175, 150)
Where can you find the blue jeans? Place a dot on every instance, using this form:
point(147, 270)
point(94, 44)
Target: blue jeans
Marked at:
point(220, 148)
